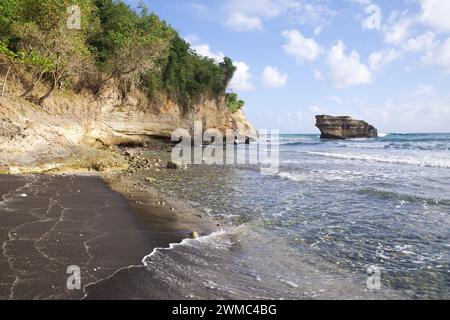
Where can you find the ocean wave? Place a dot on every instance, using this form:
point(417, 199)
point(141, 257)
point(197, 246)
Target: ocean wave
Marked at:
point(329, 175)
point(435, 163)
point(404, 197)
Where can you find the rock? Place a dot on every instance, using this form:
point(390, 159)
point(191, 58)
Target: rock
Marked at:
point(176, 165)
point(150, 179)
point(99, 166)
point(194, 235)
point(344, 127)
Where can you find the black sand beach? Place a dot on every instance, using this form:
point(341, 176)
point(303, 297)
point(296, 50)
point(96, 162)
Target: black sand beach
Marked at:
point(52, 222)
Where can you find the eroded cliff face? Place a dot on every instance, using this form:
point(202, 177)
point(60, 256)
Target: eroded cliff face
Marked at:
point(79, 132)
point(135, 118)
point(344, 128)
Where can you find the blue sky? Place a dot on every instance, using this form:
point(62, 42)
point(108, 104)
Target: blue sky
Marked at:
point(387, 62)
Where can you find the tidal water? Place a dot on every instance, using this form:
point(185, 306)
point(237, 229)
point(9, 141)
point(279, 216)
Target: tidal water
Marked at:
point(335, 210)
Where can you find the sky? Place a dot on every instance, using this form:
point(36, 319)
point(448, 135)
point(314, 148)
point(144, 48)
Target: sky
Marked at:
point(383, 61)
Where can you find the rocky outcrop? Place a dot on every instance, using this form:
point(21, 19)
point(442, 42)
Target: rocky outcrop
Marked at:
point(344, 128)
point(135, 118)
point(78, 131)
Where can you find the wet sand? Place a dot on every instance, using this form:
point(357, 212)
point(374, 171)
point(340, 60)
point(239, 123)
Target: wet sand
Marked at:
point(49, 223)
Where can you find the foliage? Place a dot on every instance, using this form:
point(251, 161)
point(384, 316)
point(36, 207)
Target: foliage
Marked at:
point(133, 48)
point(233, 104)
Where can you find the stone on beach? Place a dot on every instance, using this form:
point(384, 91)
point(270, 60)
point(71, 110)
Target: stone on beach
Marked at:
point(176, 165)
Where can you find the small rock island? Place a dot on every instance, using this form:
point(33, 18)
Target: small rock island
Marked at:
point(344, 128)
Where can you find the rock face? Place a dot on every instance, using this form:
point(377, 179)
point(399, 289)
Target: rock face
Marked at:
point(131, 119)
point(80, 129)
point(344, 128)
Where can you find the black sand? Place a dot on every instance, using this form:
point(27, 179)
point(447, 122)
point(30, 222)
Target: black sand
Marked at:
point(49, 223)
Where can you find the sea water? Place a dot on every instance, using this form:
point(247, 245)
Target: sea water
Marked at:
point(336, 211)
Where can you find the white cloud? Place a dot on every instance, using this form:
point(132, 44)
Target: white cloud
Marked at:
point(303, 49)
point(244, 23)
point(402, 116)
point(298, 11)
point(242, 78)
point(398, 28)
point(436, 14)
point(423, 42)
point(272, 78)
point(439, 55)
point(347, 71)
point(205, 50)
point(379, 59)
point(192, 38)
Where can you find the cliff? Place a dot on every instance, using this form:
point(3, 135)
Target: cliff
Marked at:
point(344, 127)
point(78, 132)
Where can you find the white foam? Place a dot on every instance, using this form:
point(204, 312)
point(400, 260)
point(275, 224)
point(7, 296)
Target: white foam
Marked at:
point(185, 242)
point(424, 162)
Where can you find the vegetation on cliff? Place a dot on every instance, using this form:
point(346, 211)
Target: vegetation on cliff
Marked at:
point(135, 49)
point(233, 104)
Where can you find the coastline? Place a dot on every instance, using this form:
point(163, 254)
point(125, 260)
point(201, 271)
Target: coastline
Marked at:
point(121, 219)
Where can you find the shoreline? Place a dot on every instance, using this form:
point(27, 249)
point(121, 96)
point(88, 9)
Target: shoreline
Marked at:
point(137, 221)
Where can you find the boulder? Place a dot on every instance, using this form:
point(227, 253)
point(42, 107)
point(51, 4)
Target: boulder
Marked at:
point(344, 128)
point(176, 165)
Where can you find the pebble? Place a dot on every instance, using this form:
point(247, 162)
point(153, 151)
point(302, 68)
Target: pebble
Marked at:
point(194, 235)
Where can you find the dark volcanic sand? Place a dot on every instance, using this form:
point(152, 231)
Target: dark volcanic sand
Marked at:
point(49, 223)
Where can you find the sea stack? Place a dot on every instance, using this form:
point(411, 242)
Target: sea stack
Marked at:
point(344, 128)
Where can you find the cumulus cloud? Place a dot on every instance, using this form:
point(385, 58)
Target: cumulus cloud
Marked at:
point(398, 28)
point(272, 78)
point(439, 55)
point(436, 14)
point(423, 42)
point(433, 112)
point(192, 38)
point(205, 50)
point(379, 59)
point(242, 78)
point(298, 11)
point(244, 23)
point(347, 70)
point(301, 48)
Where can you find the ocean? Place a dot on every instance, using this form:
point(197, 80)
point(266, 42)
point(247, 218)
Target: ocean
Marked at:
point(339, 217)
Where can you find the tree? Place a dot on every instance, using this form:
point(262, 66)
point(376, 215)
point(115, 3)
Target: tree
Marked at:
point(232, 102)
point(128, 44)
point(48, 49)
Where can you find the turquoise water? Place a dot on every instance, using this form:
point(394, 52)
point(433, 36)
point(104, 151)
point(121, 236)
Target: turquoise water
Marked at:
point(335, 209)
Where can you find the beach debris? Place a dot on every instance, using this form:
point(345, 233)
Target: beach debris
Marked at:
point(23, 195)
point(150, 179)
point(176, 165)
point(194, 235)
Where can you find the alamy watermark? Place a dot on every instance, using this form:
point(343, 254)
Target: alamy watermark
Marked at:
point(74, 280)
point(211, 146)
